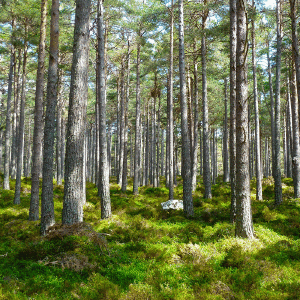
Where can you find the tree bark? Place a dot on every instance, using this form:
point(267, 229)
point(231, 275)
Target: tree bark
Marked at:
point(72, 207)
point(277, 175)
point(295, 102)
point(232, 136)
point(244, 225)
point(257, 126)
point(6, 185)
point(20, 136)
point(206, 167)
point(226, 176)
point(47, 204)
point(186, 154)
point(38, 119)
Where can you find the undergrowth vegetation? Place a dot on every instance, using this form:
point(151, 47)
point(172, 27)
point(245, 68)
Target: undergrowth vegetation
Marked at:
point(143, 252)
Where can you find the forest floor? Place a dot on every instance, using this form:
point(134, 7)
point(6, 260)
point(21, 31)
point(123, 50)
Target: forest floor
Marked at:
point(145, 253)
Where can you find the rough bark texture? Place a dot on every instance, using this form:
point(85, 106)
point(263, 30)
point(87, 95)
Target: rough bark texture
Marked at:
point(73, 193)
point(38, 119)
point(226, 176)
point(295, 99)
point(206, 167)
point(277, 161)
point(186, 154)
point(138, 129)
point(257, 128)
point(47, 205)
point(232, 136)
point(8, 120)
point(170, 112)
point(244, 225)
point(20, 136)
point(196, 124)
point(103, 163)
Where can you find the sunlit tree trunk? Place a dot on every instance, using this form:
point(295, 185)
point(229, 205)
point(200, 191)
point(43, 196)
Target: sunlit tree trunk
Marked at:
point(73, 193)
point(38, 119)
point(277, 169)
point(6, 185)
point(206, 167)
point(226, 176)
point(257, 126)
point(47, 205)
point(20, 136)
point(232, 136)
point(186, 153)
point(244, 225)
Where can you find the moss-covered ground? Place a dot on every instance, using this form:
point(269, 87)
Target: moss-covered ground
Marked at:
point(145, 253)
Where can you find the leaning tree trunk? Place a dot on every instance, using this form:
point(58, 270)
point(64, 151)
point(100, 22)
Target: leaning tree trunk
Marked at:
point(277, 175)
point(47, 205)
point(232, 136)
point(38, 119)
point(20, 136)
point(244, 225)
point(186, 154)
point(257, 128)
point(8, 120)
point(73, 192)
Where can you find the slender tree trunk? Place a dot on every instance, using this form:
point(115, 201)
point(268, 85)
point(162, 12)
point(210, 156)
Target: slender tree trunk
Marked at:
point(20, 136)
point(38, 119)
point(137, 144)
point(196, 123)
point(226, 176)
point(206, 168)
point(72, 207)
point(170, 110)
point(232, 136)
point(186, 154)
point(47, 205)
point(244, 225)
point(8, 120)
point(277, 175)
point(103, 167)
point(295, 98)
point(257, 126)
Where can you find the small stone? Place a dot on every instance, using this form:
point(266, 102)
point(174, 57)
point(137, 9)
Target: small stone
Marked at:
point(172, 204)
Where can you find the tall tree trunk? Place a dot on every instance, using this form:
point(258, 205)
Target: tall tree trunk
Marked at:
point(20, 136)
point(8, 119)
point(170, 109)
point(206, 167)
point(125, 160)
point(244, 225)
point(196, 123)
point(295, 108)
point(272, 110)
point(186, 154)
point(122, 123)
point(137, 141)
point(277, 175)
point(72, 207)
point(226, 177)
point(47, 205)
point(257, 126)
point(103, 166)
point(38, 119)
point(232, 136)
